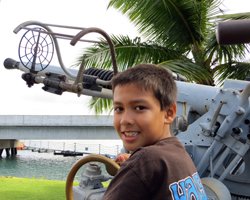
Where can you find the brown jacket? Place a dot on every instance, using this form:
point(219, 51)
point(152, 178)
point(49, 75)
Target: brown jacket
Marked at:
point(157, 172)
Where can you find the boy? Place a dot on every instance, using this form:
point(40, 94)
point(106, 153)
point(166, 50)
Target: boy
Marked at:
point(159, 168)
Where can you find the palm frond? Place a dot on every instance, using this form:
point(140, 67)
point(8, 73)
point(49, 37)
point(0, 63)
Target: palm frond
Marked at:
point(218, 54)
point(129, 52)
point(100, 105)
point(235, 16)
point(214, 9)
point(177, 23)
point(234, 70)
point(179, 35)
point(190, 70)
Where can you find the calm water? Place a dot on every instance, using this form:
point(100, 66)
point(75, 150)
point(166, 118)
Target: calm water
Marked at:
point(37, 165)
point(42, 165)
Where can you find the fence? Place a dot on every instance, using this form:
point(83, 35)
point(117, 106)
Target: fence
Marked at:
point(86, 148)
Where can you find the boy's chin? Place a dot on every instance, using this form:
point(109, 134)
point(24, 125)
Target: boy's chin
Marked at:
point(130, 148)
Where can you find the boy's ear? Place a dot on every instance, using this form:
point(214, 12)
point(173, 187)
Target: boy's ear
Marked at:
point(170, 114)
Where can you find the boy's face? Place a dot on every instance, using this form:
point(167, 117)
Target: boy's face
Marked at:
point(138, 117)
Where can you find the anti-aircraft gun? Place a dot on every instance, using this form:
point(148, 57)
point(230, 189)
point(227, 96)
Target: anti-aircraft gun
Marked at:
point(212, 123)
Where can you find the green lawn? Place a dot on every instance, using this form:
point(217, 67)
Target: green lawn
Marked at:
point(12, 188)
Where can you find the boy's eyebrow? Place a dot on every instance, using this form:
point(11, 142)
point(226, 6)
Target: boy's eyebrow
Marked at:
point(135, 101)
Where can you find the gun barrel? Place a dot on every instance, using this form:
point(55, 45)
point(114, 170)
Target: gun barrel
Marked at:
point(198, 99)
point(10, 63)
point(233, 32)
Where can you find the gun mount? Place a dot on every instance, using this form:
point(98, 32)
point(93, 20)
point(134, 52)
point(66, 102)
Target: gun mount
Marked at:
point(212, 123)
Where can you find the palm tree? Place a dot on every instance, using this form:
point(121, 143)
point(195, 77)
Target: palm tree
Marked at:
point(176, 34)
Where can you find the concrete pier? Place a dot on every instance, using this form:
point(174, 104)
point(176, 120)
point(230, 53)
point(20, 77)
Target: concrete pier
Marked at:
point(9, 146)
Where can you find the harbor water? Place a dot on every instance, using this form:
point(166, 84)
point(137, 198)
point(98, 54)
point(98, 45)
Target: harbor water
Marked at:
point(32, 164)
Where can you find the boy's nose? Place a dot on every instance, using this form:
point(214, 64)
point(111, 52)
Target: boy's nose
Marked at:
point(126, 118)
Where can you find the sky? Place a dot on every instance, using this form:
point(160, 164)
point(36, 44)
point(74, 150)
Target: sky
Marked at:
point(16, 98)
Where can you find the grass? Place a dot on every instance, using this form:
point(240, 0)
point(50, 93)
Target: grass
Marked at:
point(12, 188)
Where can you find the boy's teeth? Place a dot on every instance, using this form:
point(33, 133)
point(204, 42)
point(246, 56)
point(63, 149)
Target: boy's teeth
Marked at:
point(130, 133)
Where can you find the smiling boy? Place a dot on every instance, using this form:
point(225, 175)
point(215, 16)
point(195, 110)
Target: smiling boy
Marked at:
point(144, 99)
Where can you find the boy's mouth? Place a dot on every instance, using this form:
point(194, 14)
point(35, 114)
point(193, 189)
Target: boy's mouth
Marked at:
point(129, 137)
point(130, 133)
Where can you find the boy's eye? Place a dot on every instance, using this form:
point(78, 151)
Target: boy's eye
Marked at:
point(140, 108)
point(118, 109)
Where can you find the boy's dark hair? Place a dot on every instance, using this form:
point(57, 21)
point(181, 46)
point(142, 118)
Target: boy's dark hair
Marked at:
point(150, 77)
